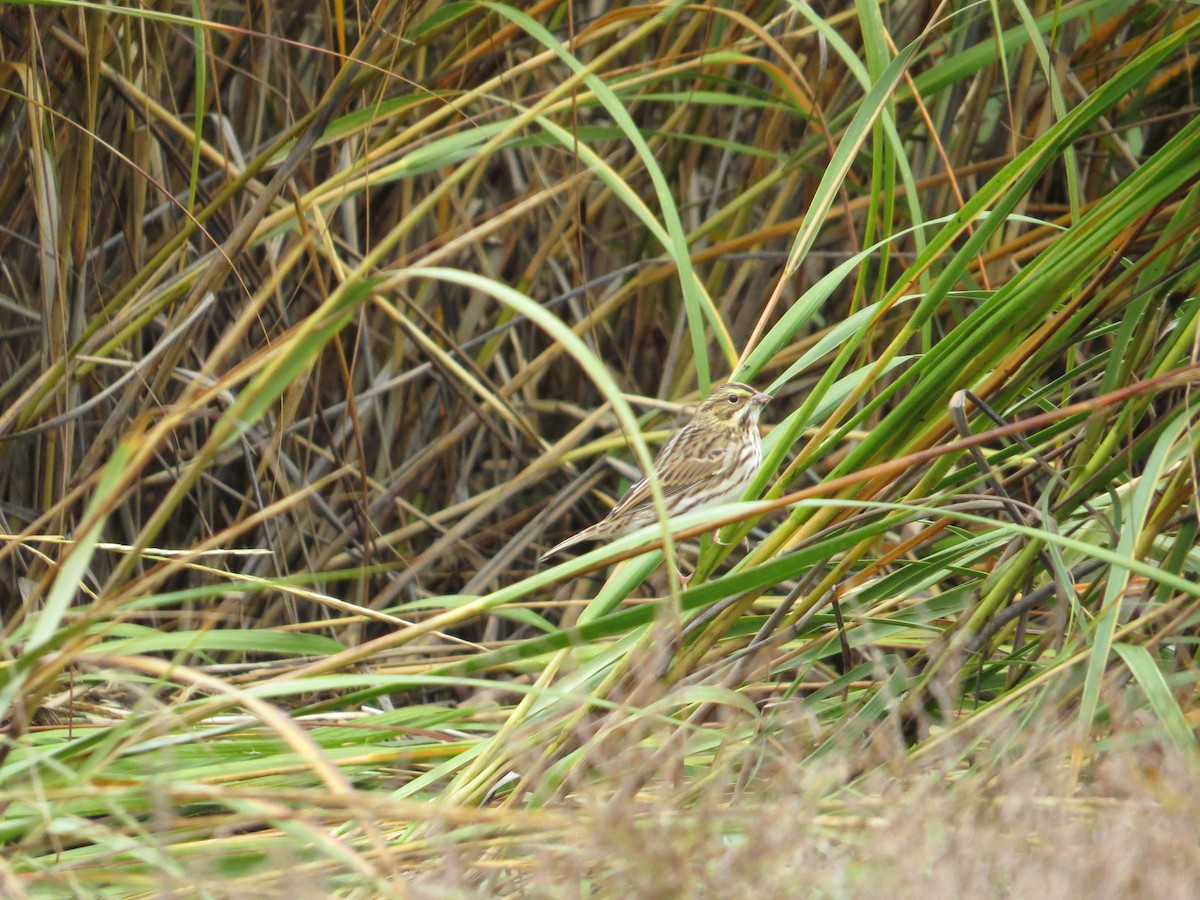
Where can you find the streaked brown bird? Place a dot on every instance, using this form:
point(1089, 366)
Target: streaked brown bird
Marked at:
point(710, 461)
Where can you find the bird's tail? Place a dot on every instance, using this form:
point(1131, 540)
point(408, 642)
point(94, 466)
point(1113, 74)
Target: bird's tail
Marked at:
point(586, 535)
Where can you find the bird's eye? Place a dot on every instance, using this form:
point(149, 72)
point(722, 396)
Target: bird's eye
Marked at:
point(733, 399)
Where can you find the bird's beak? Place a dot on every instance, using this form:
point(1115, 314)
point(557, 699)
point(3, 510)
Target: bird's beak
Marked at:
point(760, 398)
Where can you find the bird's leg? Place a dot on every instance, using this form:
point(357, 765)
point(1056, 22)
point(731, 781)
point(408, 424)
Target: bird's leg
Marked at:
point(745, 542)
point(685, 578)
point(716, 536)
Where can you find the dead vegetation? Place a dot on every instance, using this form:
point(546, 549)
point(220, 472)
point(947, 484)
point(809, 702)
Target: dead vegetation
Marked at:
point(322, 321)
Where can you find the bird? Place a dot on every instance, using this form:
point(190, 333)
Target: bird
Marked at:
point(709, 461)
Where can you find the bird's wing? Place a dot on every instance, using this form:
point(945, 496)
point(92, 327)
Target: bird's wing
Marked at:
point(676, 473)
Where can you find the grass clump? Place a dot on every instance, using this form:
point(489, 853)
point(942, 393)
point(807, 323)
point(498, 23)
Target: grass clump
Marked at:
point(321, 324)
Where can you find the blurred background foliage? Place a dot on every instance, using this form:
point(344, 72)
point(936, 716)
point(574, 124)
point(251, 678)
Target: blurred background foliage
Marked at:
point(321, 321)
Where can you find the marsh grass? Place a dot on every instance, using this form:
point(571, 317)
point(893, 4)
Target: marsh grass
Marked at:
point(321, 322)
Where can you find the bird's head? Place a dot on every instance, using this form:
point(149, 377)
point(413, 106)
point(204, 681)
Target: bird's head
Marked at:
point(732, 405)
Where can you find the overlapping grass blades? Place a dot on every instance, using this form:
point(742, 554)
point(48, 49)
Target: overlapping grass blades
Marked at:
point(319, 328)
